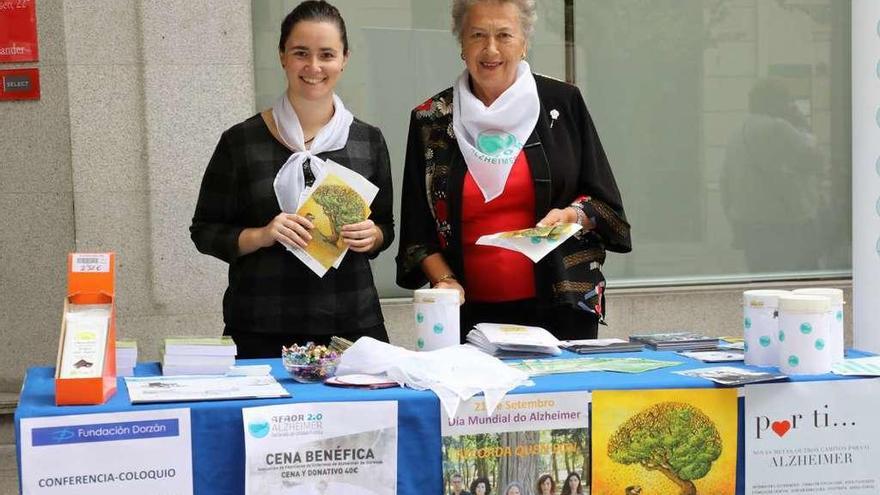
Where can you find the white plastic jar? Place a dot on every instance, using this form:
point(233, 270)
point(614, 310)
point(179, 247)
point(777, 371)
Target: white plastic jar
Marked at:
point(804, 335)
point(836, 298)
point(761, 326)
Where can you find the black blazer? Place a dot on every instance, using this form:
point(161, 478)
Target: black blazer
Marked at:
point(566, 161)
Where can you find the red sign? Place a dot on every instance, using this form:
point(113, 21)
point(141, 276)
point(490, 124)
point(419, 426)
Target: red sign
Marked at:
point(18, 31)
point(19, 84)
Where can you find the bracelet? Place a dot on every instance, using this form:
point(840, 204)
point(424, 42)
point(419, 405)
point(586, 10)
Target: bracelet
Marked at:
point(448, 276)
point(581, 215)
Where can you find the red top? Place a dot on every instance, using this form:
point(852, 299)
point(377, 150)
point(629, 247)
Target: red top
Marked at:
point(495, 274)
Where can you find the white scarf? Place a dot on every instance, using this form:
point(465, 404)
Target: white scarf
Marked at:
point(490, 138)
point(290, 182)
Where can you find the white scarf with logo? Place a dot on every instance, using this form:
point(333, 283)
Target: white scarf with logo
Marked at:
point(290, 181)
point(490, 138)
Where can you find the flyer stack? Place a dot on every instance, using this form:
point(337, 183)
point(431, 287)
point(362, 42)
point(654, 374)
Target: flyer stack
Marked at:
point(126, 357)
point(198, 355)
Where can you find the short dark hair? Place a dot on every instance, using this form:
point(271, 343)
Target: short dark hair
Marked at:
point(484, 481)
point(313, 10)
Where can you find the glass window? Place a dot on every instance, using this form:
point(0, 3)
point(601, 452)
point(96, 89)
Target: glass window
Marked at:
point(726, 121)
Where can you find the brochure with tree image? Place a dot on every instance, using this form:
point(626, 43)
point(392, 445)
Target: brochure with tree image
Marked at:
point(339, 197)
point(536, 367)
point(731, 376)
point(535, 242)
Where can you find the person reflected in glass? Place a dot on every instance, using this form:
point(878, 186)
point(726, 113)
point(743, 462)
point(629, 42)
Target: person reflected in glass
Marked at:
point(246, 210)
point(774, 184)
point(506, 149)
point(481, 486)
point(546, 485)
point(572, 485)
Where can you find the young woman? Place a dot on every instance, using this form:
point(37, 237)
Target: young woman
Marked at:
point(246, 208)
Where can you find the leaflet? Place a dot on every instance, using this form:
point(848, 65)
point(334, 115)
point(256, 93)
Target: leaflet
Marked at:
point(535, 242)
point(340, 197)
point(136, 453)
point(321, 448)
point(201, 387)
point(523, 439)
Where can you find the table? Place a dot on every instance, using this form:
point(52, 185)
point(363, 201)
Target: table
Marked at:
point(218, 439)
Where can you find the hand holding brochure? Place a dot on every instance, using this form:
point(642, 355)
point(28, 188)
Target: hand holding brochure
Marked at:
point(535, 242)
point(496, 337)
point(339, 197)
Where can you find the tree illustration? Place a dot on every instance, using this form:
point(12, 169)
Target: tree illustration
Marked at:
point(342, 205)
point(674, 438)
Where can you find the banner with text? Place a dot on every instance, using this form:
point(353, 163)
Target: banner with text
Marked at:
point(321, 448)
point(530, 440)
point(145, 452)
point(812, 438)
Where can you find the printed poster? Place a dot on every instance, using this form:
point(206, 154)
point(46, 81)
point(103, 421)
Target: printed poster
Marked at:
point(664, 442)
point(144, 452)
point(321, 448)
point(813, 438)
point(530, 441)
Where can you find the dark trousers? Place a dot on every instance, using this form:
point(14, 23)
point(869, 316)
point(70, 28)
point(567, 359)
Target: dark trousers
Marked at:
point(564, 322)
point(268, 345)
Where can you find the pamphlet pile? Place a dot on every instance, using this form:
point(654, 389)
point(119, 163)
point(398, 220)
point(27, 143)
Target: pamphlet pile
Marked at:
point(731, 376)
point(537, 367)
point(864, 366)
point(597, 346)
point(508, 340)
point(714, 356)
point(677, 341)
point(198, 355)
point(126, 357)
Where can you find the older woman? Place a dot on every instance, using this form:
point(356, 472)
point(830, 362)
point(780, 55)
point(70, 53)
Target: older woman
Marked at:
point(506, 149)
point(246, 208)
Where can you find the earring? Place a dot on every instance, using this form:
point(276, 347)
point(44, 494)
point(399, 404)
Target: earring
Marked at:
point(523, 57)
point(461, 55)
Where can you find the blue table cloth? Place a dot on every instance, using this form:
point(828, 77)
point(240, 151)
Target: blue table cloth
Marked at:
point(218, 438)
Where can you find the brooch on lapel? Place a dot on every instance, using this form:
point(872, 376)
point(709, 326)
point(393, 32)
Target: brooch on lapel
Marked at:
point(554, 114)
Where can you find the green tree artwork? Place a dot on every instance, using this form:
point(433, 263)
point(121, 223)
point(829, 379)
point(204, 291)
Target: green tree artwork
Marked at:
point(342, 205)
point(674, 438)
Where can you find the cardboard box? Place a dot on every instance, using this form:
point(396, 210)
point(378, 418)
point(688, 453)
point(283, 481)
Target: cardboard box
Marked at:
point(90, 280)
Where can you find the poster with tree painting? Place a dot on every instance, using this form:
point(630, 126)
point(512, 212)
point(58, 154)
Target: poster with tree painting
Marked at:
point(664, 442)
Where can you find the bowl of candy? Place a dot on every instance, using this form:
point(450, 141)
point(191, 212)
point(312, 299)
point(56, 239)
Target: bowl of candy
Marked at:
point(309, 363)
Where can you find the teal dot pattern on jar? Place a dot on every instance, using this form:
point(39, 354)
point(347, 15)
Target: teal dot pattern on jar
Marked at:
point(420, 317)
point(877, 247)
point(877, 207)
point(764, 341)
point(820, 344)
point(747, 323)
point(877, 117)
point(746, 346)
point(839, 316)
point(806, 328)
point(877, 163)
point(781, 336)
point(420, 343)
point(438, 328)
point(793, 361)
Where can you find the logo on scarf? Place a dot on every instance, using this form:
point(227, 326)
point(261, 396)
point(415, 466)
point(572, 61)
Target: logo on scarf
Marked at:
point(498, 147)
